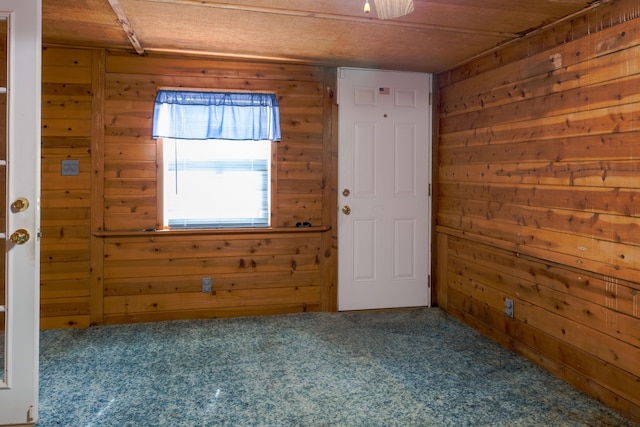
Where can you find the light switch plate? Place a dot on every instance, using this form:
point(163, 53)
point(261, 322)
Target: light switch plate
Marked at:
point(70, 168)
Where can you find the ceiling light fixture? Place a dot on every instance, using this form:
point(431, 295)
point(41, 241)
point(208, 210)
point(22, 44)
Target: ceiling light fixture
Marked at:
point(389, 9)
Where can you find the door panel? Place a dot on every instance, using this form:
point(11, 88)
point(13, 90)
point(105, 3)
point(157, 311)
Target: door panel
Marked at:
point(20, 176)
point(384, 175)
point(404, 249)
point(364, 263)
point(404, 160)
point(364, 184)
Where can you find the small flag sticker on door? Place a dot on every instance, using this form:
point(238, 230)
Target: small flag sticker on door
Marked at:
point(385, 91)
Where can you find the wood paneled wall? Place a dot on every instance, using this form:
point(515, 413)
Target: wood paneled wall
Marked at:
point(65, 205)
point(539, 200)
point(99, 266)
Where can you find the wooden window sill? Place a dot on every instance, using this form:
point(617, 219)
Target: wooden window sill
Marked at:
point(211, 231)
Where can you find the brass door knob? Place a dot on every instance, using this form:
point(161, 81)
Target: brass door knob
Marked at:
point(20, 236)
point(346, 210)
point(20, 205)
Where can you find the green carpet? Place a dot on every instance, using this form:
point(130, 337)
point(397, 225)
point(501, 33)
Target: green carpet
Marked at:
point(416, 367)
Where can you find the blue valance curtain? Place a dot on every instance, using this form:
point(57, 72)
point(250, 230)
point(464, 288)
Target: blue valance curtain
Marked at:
point(216, 115)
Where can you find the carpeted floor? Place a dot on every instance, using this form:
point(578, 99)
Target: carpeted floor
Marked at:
point(416, 367)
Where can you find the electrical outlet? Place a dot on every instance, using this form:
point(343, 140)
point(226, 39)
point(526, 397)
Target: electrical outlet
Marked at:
point(206, 284)
point(508, 307)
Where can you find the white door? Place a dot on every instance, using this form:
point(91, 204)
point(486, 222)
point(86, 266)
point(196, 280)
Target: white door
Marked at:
point(20, 69)
point(384, 218)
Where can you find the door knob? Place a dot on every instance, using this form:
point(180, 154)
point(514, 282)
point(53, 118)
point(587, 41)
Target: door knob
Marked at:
point(346, 210)
point(20, 205)
point(20, 236)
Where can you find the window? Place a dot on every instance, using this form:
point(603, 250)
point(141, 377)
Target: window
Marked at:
point(215, 150)
point(216, 183)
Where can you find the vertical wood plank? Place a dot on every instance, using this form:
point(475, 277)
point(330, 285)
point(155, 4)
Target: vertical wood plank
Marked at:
point(96, 288)
point(97, 140)
point(329, 258)
point(441, 264)
point(96, 281)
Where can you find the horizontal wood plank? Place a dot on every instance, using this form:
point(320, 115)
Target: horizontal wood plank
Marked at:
point(220, 282)
point(211, 313)
point(208, 265)
point(117, 63)
point(221, 299)
point(195, 247)
point(51, 322)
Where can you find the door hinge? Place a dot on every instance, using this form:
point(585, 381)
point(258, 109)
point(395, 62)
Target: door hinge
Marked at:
point(429, 281)
point(430, 97)
point(31, 415)
point(429, 190)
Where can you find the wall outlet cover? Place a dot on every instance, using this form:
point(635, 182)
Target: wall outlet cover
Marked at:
point(508, 307)
point(206, 284)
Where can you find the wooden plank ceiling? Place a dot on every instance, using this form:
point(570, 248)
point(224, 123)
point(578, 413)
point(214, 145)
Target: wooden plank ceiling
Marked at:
point(437, 36)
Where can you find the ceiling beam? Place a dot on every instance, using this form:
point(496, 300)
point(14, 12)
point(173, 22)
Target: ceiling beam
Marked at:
point(126, 26)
